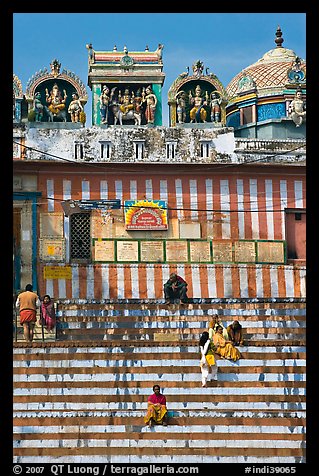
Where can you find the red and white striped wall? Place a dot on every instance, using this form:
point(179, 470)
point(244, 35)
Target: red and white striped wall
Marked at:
point(252, 205)
point(252, 208)
point(145, 281)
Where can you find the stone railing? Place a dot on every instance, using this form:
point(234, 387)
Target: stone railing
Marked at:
point(270, 145)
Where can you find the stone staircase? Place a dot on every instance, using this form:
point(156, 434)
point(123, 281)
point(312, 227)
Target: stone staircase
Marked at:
point(82, 398)
point(40, 332)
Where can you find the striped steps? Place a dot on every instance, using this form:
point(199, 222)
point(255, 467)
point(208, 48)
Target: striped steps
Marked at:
point(156, 321)
point(39, 334)
point(80, 401)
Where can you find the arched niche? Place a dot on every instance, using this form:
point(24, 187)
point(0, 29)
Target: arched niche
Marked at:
point(44, 81)
point(185, 86)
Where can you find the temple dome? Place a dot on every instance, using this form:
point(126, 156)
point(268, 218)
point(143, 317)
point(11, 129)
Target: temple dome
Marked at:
point(268, 73)
point(259, 97)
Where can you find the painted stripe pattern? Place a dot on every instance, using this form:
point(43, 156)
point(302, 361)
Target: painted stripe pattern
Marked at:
point(141, 281)
point(91, 402)
point(252, 208)
point(242, 201)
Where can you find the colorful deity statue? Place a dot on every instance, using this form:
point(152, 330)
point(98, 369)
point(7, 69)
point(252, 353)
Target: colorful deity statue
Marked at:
point(215, 110)
point(137, 102)
point(297, 109)
point(38, 107)
point(126, 101)
point(198, 112)
point(104, 104)
point(181, 106)
point(151, 102)
point(75, 108)
point(55, 100)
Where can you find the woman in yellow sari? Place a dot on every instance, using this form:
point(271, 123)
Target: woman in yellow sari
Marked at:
point(213, 324)
point(225, 348)
point(156, 408)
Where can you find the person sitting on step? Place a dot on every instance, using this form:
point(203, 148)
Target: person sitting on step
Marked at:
point(213, 324)
point(225, 348)
point(235, 333)
point(156, 408)
point(175, 288)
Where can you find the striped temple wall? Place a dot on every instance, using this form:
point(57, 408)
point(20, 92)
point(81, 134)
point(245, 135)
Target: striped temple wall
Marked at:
point(252, 209)
point(145, 281)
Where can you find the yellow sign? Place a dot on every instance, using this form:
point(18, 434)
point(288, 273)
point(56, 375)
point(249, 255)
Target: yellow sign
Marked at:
point(57, 272)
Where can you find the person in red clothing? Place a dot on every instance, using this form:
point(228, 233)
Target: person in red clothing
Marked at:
point(175, 288)
point(27, 303)
point(156, 408)
point(48, 317)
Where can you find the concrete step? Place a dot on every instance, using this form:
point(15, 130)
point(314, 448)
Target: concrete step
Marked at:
point(182, 459)
point(165, 456)
point(24, 417)
point(121, 354)
point(140, 313)
point(209, 302)
point(136, 347)
point(131, 344)
point(93, 333)
point(225, 434)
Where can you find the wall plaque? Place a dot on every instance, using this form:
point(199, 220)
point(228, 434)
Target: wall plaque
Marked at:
point(57, 272)
point(52, 250)
point(200, 251)
point(176, 251)
point(245, 251)
point(270, 252)
point(222, 252)
point(189, 230)
point(152, 251)
point(104, 250)
point(145, 215)
point(51, 224)
point(127, 250)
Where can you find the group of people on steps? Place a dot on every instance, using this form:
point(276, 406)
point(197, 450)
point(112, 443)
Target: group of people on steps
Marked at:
point(218, 340)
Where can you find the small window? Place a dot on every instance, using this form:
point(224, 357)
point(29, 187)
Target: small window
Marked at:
point(78, 151)
point(204, 149)
point(80, 236)
point(105, 150)
point(139, 150)
point(297, 216)
point(170, 150)
point(247, 117)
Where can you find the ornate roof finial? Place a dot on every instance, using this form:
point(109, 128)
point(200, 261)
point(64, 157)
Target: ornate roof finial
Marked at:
point(55, 66)
point(115, 48)
point(279, 40)
point(198, 67)
point(147, 48)
point(125, 49)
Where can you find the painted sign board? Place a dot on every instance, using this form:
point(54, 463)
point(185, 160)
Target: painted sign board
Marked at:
point(57, 272)
point(99, 204)
point(145, 215)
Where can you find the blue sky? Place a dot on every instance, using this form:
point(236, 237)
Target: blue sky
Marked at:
point(225, 42)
